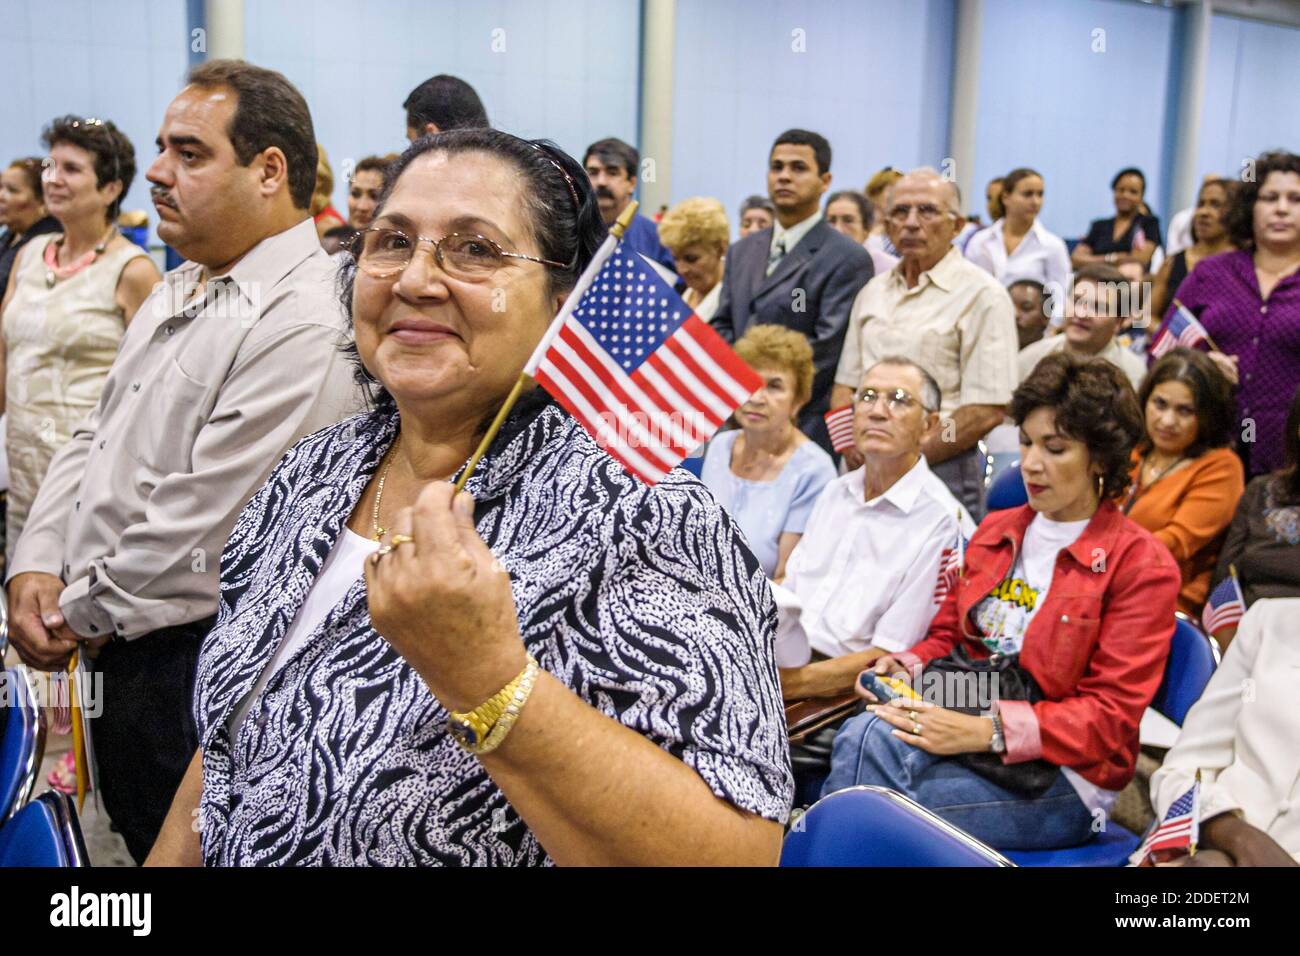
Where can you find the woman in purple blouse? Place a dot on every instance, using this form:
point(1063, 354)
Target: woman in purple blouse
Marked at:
point(1249, 302)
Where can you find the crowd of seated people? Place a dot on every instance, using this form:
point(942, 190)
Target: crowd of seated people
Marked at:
point(1154, 418)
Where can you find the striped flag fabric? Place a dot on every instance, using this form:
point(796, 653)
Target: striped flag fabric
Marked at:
point(636, 367)
point(839, 422)
point(951, 561)
point(1183, 329)
point(1179, 829)
point(1225, 605)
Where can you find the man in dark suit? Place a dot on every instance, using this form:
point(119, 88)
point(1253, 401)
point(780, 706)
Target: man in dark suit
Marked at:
point(799, 273)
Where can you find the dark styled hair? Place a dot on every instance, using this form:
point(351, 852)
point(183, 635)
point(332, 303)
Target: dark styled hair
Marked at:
point(1286, 481)
point(556, 195)
point(1129, 171)
point(1094, 403)
point(1013, 178)
point(1211, 392)
point(30, 167)
point(757, 202)
point(378, 164)
point(269, 112)
point(865, 209)
point(1239, 217)
point(803, 137)
point(113, 152)
point(446, 101)
point(612, 151)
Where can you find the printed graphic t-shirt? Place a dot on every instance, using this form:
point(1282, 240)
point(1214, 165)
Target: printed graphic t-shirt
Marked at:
point(1004, 615)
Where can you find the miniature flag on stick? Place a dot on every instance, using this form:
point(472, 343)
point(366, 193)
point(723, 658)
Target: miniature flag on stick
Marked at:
point(633, 363)
point(950, 565)
point(1225, 605)
point(1178, 831)
point(839, 422)
point(1182, 329)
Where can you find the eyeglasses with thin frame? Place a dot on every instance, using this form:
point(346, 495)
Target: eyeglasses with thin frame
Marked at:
point(898, 400)
point(926, 212)
point(383, 252)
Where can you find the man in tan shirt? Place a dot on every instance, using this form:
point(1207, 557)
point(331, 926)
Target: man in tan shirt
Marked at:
point(948, 316)
point(233, 358)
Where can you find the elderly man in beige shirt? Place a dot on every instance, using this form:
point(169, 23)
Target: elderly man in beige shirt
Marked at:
point(948, 316)
point(234, 356)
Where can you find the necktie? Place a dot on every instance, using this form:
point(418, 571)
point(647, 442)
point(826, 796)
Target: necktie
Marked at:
point(776, 254)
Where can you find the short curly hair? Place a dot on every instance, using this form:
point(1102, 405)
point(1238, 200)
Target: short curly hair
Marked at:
point(1239, 217)
point(1094, 403)
point(695, 221)
point(776, 347)
point(113, 152)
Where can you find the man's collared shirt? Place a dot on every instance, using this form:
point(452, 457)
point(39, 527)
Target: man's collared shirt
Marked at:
point(865, 571)
point(1130, 363)
point(957, 323)
point(786, 239)
point(212, 383)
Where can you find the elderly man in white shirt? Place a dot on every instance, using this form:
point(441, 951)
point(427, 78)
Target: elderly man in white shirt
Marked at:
point(866, 573)
point(1240, 738)
point(867, 570)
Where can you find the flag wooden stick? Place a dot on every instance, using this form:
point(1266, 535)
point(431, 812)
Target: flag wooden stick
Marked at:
point(1209, 341)
point(616, 231)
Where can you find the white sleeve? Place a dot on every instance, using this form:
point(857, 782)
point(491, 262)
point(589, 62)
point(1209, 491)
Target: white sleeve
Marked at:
point(908, 616)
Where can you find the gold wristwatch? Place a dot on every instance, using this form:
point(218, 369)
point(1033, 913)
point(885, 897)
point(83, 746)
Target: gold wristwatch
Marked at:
point(481, 730)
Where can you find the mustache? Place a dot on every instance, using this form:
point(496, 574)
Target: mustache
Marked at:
point(603, 193)
point(162, 197)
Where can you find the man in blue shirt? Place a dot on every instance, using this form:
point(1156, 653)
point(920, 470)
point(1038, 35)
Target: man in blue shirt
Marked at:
point(612, 165)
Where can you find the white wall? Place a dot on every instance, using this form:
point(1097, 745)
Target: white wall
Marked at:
point(568, 70)
point(122, 61)
point(873, 78)
point(1048, 101)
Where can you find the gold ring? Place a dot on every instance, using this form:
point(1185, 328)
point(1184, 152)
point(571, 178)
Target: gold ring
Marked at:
point(398, 540)
point(911, 715)
point(384, 551)
point(916, 729)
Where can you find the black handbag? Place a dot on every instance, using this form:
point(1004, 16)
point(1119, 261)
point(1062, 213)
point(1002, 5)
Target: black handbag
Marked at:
point(959, 675)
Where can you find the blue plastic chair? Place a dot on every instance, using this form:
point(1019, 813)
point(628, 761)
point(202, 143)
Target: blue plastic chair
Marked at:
point(1007, 491)
point(19, 741)
point(35, 836)
point(1193, 658)
point(875, 826)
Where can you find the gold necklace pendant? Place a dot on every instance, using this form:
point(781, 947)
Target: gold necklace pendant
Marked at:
point(379, 490)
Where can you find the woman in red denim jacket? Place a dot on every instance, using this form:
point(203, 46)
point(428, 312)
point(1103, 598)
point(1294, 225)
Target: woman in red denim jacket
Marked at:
point(1084, 599)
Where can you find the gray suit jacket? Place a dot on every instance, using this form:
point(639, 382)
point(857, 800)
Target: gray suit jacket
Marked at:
point(811, 291)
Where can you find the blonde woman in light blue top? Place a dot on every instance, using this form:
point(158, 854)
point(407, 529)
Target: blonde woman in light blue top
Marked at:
point(767, 473)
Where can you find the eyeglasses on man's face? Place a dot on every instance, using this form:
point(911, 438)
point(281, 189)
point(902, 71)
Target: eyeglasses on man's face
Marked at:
point(383, 252)
point(897, 400)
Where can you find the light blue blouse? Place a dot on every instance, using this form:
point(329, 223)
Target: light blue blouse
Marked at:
point(766, 509)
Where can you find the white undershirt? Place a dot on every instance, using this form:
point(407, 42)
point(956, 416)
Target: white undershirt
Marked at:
point(345, 563)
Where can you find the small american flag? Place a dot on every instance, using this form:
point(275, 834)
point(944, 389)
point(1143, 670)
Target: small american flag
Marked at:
point(1225, 605)
point(1183, 329)
point(839, 422)
point(950, 565)
point(1178, 830)
point(636, 367)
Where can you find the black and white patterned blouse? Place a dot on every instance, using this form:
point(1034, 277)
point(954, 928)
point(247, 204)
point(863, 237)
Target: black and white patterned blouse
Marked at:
point(644, 601)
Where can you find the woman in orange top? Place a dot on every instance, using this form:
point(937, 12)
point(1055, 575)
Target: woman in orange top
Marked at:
point(1186, 480)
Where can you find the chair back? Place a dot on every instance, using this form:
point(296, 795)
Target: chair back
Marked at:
point(1193, 658)
point(19, 728)
point(32, 837)
point(1007, 490)
point(875, 826)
